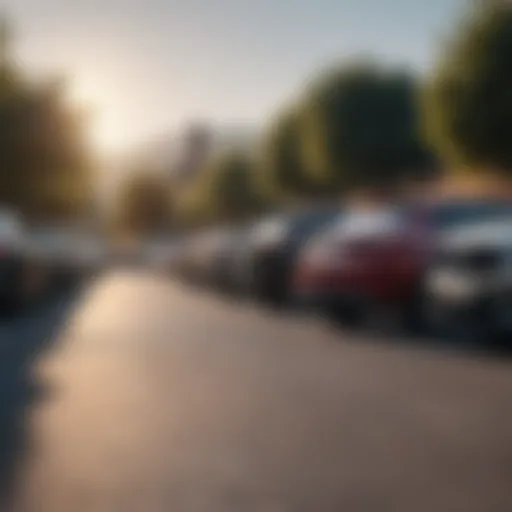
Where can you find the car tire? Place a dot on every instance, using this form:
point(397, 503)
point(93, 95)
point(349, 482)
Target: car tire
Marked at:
point(413, 313)
point(498, 335)
point(472, 328)
point(349, 314)
point(11, 300)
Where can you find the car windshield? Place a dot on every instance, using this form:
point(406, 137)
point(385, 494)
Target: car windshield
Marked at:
point(496, 232)
point(9, 226)
point(369, 223)
point(272, 228)
point(304, 225)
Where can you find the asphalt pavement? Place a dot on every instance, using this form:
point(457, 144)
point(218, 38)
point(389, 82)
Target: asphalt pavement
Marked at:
point(141, 394)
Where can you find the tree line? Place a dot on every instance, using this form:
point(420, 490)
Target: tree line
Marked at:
point(366, 126)
point(358, 126)
point(44, 159)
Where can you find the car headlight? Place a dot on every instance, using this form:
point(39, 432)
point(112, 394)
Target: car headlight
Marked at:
point(452, 284)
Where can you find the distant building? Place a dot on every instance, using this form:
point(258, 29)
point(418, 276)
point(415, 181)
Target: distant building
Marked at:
point(199, 142)
point(182, 155)
point(194, 148)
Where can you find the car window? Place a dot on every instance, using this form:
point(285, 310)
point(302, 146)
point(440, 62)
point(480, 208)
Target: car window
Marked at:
point(496, 232)
point(307, 224)
point(454, 214)
point(370, 223)
point(10, 228)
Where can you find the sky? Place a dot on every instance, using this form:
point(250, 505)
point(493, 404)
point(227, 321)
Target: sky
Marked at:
point(146, 67)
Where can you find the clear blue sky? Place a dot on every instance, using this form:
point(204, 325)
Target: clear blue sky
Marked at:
point(149, 65)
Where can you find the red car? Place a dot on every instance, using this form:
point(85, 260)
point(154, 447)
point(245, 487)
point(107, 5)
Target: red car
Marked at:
point(378, 257)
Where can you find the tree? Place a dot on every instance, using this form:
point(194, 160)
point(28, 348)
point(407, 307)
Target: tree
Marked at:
point(468, 100)
point(283, 169)
point(144, 204)
point(226, 189)
point(8, 71)
point(362, 127)
point(44, 160)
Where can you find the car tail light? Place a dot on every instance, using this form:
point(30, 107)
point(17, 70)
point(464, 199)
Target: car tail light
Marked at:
point(325, 253)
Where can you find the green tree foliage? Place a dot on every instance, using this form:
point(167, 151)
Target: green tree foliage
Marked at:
point(362, 127)
point(468, 102)
point(144, 204)
point(283, 171)
point(226, 189)
point(192, 205)
point(43, 155)
point(232, 186)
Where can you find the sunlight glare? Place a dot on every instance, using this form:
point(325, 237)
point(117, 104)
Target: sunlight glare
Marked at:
point(104, 127)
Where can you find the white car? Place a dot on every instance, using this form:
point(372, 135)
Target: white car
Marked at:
point(469, 284)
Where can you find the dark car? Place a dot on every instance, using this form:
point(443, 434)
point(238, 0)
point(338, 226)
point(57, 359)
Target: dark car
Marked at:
point(181, 266)
point(274, 246)
point(186, 266)
point(11, 261)
point(199, 253)
point(22, 277)
point(376, 259)
point(226, 256)
point(468, 284)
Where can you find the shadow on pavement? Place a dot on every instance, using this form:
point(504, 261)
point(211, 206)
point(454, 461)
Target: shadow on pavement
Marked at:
point(392, 334)
point(383, 329)
point(23, 341)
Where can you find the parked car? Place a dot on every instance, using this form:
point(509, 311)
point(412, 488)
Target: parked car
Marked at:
point(44, 246)
point(227, 257)
point(22, 276)
point(468, 284)
point(88, 254)
point(274, 245)
point(160, 254)
point(183, 268)
point(196, 257)
point(377, 258)
point(180, 265)
point(213, 250)
point(67, 255)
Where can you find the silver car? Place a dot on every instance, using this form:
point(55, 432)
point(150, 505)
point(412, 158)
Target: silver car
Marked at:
point(468, 287)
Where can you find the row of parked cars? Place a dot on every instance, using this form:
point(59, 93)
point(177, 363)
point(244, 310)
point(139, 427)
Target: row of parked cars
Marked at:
point(439, 265)
point(35, 261)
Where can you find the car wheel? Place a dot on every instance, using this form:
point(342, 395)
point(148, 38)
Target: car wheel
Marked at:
point(469, 327)
point(348, 314)
point(413, 317)
point(258, 283)
point(11, 300)
point(499, 324)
